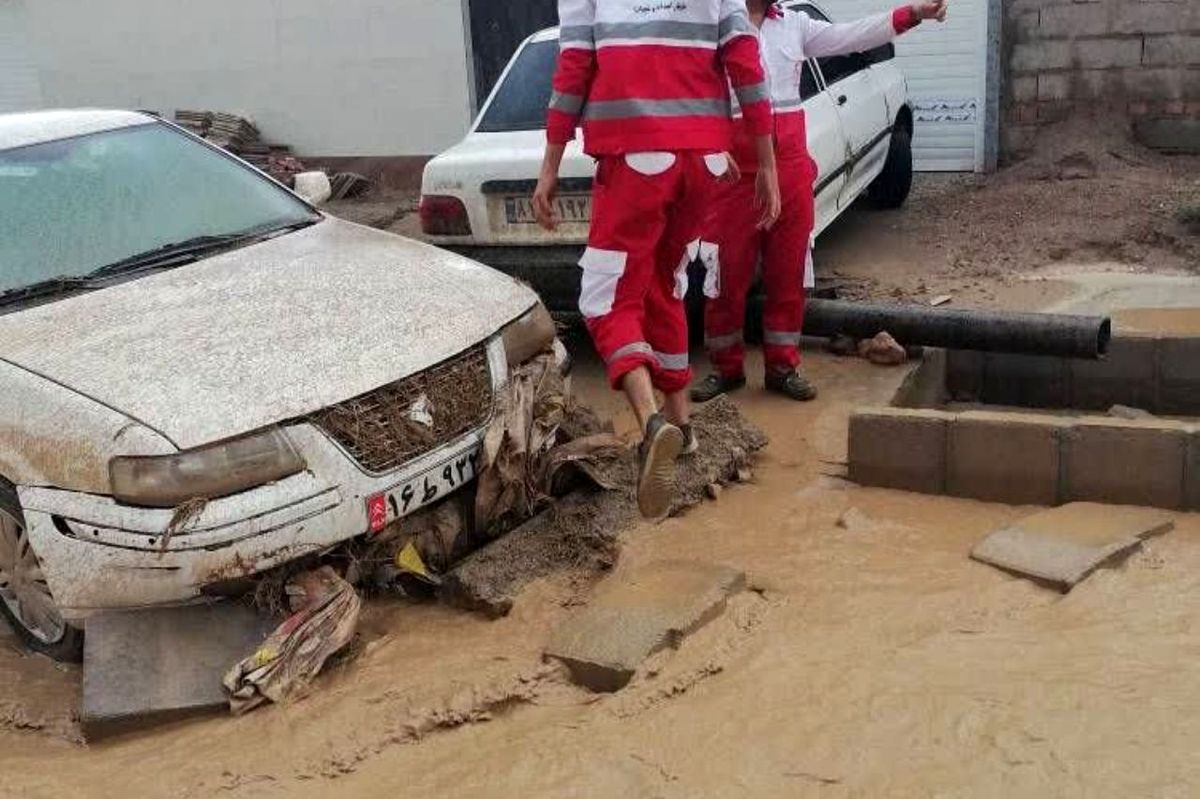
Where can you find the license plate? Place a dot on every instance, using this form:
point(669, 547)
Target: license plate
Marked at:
point(571, 208)
point(400, 500)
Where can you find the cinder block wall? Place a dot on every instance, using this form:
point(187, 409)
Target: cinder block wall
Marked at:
point(1128, 59)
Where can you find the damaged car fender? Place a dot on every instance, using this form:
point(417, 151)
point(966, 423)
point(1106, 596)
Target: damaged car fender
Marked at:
point(53, 436)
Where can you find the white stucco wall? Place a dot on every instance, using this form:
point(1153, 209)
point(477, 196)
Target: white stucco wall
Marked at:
point(329, 77)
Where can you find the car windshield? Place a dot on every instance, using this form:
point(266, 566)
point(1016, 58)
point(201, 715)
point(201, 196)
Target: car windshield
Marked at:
point(70, 207)
point(520, 102)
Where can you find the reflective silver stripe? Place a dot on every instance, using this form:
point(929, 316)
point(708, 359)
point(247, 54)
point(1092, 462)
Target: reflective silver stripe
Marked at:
point(718, 343)
point(779, 338)
point(576, 36)
point(636, 348)
point(675, 362)
point(624, 109)
point(567, 103)
point(752, 93)
point(700, 33)
point(788, 105)
point(734, 25)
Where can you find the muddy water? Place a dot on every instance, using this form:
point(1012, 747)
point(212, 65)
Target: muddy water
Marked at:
point(875, 659)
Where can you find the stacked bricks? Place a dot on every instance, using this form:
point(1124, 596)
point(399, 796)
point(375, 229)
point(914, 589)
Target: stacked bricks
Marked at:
point(1027, 459)
point(1035, 458)
point(1128, 58)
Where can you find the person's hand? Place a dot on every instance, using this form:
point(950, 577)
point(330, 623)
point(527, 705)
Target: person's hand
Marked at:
point(766, 196)
point(930, 9)
point(543, 200)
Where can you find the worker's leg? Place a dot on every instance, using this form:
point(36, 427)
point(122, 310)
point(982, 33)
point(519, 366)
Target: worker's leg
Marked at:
point(632, 198)
point(731, 250)
point(786, 273)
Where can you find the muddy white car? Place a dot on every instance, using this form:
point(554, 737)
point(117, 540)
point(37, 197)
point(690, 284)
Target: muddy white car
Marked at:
point(476, 198)
point(202, 376)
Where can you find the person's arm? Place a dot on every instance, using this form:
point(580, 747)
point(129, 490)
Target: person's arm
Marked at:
point(822, 38)
point(738, 48)
point(571, 85)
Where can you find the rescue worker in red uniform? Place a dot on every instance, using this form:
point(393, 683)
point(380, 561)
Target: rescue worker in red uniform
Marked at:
point(651, 81)
point(734, 245)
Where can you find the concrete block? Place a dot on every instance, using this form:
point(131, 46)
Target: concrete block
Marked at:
point(1038, 56)
point(630, 619)
point(1053, 86)
point(1107, 53)
point(1151, 17)
point(152, 666)
point(1005, 457)
point(1126, 462)
point(1169, 135)
point(1176, 50)
point(1157, 84)
point(964, 375)
point(1063, 545)
point(925, 385)
point(899, 448)
point(1025, 25)
point(1125, 376)
point(1076, 19)
point(1024, 89)
point(1029, 381)
point(1179, 376)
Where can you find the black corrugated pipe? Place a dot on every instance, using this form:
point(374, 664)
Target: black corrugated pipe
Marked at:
point(958, 329)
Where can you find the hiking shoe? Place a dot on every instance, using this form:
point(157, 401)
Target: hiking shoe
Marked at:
point(791, 384)
point(715, 385)
point(656, 467)
point(691, 444)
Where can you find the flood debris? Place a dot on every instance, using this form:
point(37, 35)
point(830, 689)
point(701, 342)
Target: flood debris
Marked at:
point(1126, 412)
point(240, 136)
point(324, 616)
point(1062, 546)
point(581, 530)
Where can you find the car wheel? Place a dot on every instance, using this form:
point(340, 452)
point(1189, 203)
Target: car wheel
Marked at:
point(25, 598)
point(890, 188)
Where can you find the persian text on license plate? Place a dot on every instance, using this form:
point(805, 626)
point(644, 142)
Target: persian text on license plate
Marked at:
point(571, 208)
point(401, 500)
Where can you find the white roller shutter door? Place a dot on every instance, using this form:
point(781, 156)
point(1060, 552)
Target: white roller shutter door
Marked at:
point(20, 88)
point(946, 69)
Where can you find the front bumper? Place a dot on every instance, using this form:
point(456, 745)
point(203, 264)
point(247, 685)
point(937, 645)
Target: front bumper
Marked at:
point(98, 554)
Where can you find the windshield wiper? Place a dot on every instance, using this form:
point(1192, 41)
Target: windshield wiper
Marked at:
point(181, 252)
point(46, 288)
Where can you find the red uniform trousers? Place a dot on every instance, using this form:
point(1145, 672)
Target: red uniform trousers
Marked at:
point(732, 251)
point(647, 214)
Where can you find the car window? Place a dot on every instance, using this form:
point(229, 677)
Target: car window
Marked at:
point(520, 101)
point(72, 206)
point(808, 82)
point(837, 67)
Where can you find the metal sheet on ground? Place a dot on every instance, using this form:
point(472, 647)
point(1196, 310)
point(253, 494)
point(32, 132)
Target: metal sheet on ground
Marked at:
point(147, 667)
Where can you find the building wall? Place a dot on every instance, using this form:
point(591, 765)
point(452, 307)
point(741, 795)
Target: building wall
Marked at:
point(330, 77)
point(1110, 58)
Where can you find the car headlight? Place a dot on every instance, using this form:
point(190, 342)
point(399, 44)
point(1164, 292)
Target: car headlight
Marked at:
point(208, 472)
point(526, 337)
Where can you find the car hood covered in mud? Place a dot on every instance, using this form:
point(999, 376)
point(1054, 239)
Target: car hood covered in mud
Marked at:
point(265, 333)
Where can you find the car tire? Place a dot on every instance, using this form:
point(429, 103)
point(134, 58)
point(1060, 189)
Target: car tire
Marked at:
point(25, 599)
point(891, 187)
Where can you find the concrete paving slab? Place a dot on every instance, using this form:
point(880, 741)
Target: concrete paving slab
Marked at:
point(632, 618)
point(152, 666)
point(1064, 545)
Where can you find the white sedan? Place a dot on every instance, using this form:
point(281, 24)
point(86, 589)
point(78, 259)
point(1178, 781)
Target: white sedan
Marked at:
point(476, 196)
point(201, 376)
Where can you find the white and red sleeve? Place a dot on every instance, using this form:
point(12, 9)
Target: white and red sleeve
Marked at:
point(739, 49)
point(576, 68)
point(820, 38)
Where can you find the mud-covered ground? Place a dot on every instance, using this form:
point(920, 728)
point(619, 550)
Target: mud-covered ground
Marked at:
point(875, 659)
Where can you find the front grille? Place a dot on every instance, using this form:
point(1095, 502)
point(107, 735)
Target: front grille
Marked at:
point(378, 428)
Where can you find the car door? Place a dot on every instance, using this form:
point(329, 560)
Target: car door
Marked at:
point(863, 115)
point(826, 145)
